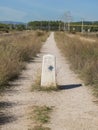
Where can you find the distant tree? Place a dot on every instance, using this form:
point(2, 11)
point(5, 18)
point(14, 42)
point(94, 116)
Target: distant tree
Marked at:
point(44, 25)
point(21, 27)
point(59, 25)
point(4, 27)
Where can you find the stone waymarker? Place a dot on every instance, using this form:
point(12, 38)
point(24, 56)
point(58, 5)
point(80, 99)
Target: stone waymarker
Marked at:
point(48, 71)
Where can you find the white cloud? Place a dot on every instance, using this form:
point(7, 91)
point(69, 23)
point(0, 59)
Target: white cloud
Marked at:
point(11, 14)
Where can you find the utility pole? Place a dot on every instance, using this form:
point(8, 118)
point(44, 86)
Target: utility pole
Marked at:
point(82, 26)
point(26, 26)
point(59, 26)
point(67, 19)
point(40, 24)
point(49, 26)
point(63, 18)
point(68, 26)
point(64, 26)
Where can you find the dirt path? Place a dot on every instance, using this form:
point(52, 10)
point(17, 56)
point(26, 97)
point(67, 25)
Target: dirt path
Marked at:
point(73, 104)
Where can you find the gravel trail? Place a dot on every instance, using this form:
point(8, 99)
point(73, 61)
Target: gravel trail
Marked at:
point(74, 107)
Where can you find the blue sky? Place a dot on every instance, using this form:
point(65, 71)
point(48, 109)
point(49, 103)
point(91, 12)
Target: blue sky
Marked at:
point(28, 10)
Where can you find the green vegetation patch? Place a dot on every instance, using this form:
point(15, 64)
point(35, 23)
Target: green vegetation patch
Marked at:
point(40, 127)
point(41, 114)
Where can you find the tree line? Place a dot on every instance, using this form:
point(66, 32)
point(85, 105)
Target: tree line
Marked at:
point(51, 25)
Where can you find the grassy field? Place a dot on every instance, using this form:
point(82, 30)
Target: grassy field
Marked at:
point(83, 56)
point(15, 50)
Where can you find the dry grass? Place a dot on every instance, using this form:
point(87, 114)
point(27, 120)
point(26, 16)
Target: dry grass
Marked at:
point(83, 56)
point(15, 50)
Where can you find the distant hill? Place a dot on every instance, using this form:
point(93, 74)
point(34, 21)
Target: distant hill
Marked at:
point(11, 22)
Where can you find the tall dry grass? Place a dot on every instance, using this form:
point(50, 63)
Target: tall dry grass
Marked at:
point(15, 50)
point(83, 56)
